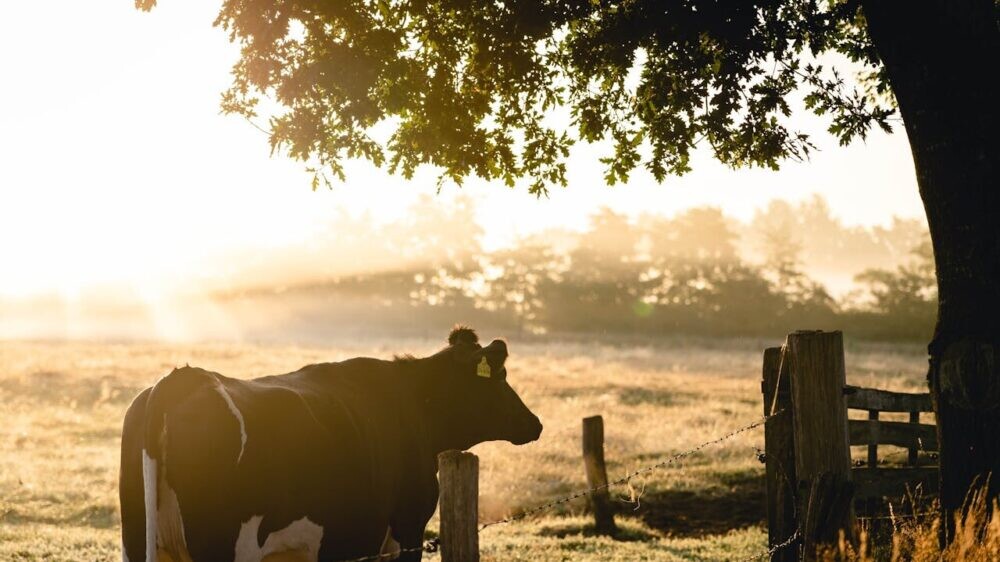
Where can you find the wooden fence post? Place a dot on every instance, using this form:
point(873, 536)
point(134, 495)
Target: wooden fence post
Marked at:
point(911, 457)
point(779, 456)
point(597, 475)
point(459, 506)
point(873, 444)
point(822, 449)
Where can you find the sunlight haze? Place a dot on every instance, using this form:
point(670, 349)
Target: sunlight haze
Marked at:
point(119, 170)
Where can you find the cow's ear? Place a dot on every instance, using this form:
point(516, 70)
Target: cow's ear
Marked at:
point(491, 363)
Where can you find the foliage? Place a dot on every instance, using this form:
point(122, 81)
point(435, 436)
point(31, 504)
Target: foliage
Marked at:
point(513, 280)
point(910, 289)
point(470, 86)
point(901, 301)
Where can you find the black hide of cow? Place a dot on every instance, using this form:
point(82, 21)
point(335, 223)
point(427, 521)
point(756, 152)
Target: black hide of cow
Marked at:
point(352, 446)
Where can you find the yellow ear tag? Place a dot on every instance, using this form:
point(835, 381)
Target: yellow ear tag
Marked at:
point(483, 369)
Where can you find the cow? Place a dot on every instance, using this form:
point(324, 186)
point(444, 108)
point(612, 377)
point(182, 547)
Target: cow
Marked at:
point(331, 462)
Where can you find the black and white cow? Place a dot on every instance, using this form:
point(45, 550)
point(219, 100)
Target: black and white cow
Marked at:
point(333, 461)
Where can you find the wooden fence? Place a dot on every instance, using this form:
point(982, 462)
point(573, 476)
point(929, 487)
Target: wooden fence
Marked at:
point(874, 482)
point(812, 484)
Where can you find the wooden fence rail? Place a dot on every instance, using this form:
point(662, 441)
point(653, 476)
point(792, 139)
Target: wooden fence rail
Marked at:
point(873, 432)
point(875, 482)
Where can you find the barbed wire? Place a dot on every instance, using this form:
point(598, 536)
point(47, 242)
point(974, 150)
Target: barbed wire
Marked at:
point(897, 516)
point(786, 543)
point(428, 546)
point(629, 476)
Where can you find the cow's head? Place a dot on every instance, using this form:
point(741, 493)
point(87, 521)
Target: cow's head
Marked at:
point(476, 400)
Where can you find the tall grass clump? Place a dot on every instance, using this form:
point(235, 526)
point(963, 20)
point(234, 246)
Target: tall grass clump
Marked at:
point(976, 538)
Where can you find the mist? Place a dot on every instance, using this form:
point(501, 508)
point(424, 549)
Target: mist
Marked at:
point(697, 271)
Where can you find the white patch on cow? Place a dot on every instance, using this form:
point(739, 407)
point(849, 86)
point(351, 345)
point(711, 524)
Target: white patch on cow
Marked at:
point(170, 525)
point(303, 536)
point(149, 495)
point(239, 417)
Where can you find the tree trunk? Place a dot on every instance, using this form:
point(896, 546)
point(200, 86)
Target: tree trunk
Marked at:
point(943, 62)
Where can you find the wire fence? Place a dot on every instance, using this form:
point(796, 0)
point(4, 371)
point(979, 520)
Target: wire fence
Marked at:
point(625, 480)
point(898, 516)
point(770, 552)
point(433, 544)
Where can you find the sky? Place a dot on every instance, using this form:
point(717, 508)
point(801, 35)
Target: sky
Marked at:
point(116, 166)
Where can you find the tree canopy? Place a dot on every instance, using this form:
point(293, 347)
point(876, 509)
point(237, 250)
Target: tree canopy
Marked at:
point(501, 89)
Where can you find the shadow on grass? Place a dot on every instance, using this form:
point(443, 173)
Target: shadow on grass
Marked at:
point(633, 395)
point(94, 516)
point(738, 504)
point(564, 530)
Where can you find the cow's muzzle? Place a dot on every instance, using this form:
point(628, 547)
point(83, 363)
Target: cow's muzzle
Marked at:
point(531, 431)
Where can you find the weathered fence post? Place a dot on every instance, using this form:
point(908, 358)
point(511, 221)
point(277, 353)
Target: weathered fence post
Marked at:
point(822, 449)
point(458, 473)
point(873, 444)
point(911, 456)
point(779, 456)
point(597, 475)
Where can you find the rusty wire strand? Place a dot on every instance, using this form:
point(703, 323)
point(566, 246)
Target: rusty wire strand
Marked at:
point(898, 516)
point(428, 546)
point(787, 542)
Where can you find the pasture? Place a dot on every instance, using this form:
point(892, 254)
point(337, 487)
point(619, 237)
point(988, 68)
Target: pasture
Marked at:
point(61, 406)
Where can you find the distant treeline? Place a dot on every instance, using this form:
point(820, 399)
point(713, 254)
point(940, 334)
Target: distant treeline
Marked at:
point(699, 273)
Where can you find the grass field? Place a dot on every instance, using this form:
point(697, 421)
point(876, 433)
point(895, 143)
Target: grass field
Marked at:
point(61, 406)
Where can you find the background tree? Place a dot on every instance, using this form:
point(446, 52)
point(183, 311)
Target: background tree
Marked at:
point(466, 85)
point(697, 234)
point(907, 292)
point(514, 280)
point(779, 238)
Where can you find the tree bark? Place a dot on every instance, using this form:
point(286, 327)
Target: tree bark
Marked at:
point(942, 58)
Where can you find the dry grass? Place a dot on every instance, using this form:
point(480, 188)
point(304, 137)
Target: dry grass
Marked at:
point(976, 539)
point(62, 404)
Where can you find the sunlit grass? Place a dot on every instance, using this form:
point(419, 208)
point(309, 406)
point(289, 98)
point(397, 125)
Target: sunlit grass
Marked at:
point(62, 405)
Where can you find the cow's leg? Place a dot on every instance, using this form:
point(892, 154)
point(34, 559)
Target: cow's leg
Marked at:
point(390, 547)
point(409, 521)
point(408, 530)
point(131, 493)
point(164, 556)
point(408, 538)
